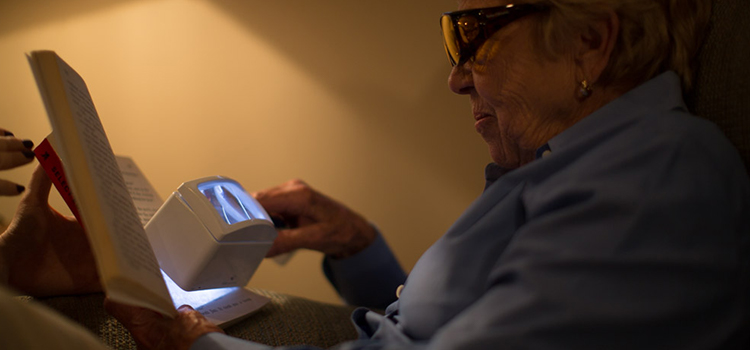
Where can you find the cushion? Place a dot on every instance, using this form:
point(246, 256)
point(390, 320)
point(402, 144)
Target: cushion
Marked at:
point(722, 82)
point(285, 320)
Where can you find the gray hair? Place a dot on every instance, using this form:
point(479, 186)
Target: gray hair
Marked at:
point(655, 35)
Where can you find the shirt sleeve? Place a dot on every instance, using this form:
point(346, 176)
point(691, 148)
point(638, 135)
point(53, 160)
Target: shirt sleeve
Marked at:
point(369, 278)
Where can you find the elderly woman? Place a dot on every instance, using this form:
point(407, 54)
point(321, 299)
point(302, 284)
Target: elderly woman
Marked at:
point(612, 219)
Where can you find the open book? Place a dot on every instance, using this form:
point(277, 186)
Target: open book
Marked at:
point(81, 164)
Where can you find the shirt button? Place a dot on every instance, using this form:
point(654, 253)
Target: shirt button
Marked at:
point(398, 291)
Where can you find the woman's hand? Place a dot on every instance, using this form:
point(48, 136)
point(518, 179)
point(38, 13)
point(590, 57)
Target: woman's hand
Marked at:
point(13, 153)
point(151, 330)
point(315, 221)
point(44, 252)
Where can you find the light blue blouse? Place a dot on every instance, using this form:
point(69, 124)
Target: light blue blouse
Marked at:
point(632, 232)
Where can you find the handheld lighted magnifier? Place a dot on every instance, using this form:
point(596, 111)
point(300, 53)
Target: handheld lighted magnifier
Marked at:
point(210, 233)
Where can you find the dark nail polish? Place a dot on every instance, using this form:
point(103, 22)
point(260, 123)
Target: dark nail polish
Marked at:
point(20, 188)
point(28, 154)
point(28, 144)
point(8, 133)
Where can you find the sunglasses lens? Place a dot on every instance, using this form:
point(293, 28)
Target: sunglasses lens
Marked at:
point(468, 26)
point(450, 41)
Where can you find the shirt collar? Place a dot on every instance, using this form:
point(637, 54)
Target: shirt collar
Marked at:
point(663, 93)
point(492, 172)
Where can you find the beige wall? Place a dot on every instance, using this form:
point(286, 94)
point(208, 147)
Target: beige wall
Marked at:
point(350, 96)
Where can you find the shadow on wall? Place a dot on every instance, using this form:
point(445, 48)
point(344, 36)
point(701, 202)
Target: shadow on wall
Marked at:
point(18, 15)
point(386, 60)
point(398, 69)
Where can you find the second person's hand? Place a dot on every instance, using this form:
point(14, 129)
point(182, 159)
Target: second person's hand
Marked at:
point(44, 252)
point(13, 153)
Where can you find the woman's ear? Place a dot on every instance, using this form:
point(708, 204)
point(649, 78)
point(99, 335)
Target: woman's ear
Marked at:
point(595, 46)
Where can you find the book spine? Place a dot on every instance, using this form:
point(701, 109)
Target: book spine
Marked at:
point(52, 165)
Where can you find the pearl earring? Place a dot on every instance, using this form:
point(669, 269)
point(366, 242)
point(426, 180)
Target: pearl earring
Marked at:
point(585, 89)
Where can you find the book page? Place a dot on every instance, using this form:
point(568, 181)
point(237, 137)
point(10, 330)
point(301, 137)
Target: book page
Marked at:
point(127, 265)
point(145, 198)
point(221, 306)
point(119, 212)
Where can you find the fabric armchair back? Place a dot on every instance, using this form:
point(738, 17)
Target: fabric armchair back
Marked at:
point(722, 84)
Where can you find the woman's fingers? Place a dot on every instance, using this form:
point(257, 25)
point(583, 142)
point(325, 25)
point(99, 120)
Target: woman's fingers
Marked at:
point(8, 188)
point(39, 187)
point(290, 199)
point(14, 152)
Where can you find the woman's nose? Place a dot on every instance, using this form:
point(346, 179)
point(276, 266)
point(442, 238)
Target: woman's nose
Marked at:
point(460, 80)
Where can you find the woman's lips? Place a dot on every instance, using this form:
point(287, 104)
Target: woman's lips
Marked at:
point(478, 116)
point(482, 119)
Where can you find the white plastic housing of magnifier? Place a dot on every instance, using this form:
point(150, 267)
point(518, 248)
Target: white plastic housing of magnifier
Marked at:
point(210, 234)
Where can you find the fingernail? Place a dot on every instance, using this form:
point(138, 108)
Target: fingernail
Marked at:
point(20, 188)
point(28, 154)
point(8, 133)
point(28, 144)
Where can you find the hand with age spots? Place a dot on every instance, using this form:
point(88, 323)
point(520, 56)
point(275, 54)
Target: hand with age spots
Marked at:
point(315, 221)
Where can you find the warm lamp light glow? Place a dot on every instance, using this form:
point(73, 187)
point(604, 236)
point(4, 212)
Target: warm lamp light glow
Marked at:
point(264, 92)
